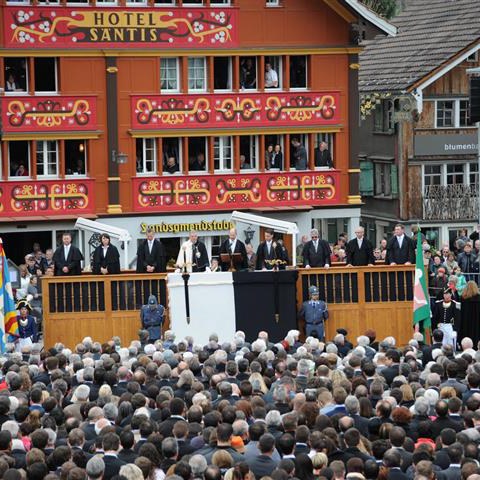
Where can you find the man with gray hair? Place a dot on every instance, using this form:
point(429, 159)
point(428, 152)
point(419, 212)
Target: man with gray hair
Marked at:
point(95, 468)
point(198, 464)
point(352, 405)
point(316, 252)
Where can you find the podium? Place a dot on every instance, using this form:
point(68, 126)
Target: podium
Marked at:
point(225, 302)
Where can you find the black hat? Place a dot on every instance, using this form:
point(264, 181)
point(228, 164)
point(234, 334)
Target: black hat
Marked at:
point(342, 331)
point(24, 303)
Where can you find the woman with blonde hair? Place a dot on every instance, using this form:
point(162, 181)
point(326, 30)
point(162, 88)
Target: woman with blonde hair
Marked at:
point(470, 313)
point(407, 395)
point(447, 392)
point(258, 384)
point(223, 460)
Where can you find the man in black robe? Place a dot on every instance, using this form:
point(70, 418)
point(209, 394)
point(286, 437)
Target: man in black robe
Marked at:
point(231, 246)
point(151, 255)
point(67, 257)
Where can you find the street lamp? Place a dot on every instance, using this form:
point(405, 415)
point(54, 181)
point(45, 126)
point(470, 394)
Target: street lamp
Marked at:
point(119, 157)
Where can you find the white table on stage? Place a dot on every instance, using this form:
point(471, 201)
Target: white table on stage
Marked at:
point(212, 306)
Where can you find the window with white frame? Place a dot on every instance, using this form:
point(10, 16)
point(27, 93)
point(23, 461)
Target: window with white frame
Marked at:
point(136, 3)
point(222, 153)
point(383, 117)
point(47, 158)
point(197, 74)
point(452, 113)
point(106, 2)
point(383, 187)
point(329, 140)
point(45, 74)
point(220, 2)
point(248, 73)
point(432, 175)
point(169, 74)
point(172, 154)
point(222, 73)
point(146, 156)
point(451, 173)
point(193, 2)
point(165, 2)
point(19, 158)
point(272, 3)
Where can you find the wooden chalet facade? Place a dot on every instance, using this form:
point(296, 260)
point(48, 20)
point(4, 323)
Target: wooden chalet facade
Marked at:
point(98, 96)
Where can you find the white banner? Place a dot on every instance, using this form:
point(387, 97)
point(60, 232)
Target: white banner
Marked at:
point(212, 306)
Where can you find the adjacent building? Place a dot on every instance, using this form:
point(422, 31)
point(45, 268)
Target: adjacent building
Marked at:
point(162, 113)
point(418, 148)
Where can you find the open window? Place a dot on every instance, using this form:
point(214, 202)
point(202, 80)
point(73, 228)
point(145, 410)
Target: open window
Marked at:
point(75, 157)
point(274, 159)
point(172, 156)
point(298, 72)
point(222, 73)
point(45, 74)
point(273, 72)
point(16, 74)
point(197, 151)
point(248, 152)
point(19, 158)
point(248, 73)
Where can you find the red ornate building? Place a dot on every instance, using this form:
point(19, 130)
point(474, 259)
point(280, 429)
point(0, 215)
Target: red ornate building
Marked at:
point(103, 101)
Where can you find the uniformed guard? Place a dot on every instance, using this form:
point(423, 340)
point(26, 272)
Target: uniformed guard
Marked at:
point(27, 326)
point(315, 312)
point(446, 317)
point(151, 316)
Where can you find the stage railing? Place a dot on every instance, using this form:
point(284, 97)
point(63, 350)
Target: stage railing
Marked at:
point(358, 298)
point(361, 298)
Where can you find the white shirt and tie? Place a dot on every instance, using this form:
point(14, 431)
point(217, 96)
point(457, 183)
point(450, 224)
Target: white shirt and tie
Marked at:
point(400, 240)
point(360, 243)
point(150, 245)
point(233, 243)
point(104, 250)
point(66, 250)
point(315, 245)
point(269, 247)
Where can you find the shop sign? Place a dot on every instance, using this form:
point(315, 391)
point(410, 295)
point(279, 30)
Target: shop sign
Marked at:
point(30, 27)
point(234, 192)
point(235, 110)
point(200, 226)
point(426, 145)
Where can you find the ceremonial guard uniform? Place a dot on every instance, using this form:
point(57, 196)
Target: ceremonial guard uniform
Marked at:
point(151, 316)
point(446, 318)
point(315, 313)
point(27, 326)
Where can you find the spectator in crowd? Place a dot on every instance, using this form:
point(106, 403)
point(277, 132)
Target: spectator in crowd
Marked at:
point(323, 158)
point(299, 155)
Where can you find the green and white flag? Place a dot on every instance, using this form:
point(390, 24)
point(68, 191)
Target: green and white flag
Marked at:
point(421, 302)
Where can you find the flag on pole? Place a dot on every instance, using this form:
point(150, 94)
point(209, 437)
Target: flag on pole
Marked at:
point(421, 301)
point(8, 312)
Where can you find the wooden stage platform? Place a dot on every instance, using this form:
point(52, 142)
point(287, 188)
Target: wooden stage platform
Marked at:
point(358, 298)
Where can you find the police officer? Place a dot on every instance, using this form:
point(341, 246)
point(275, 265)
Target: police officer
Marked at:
point(315, 312)
point(151, 316)
point(27, 327)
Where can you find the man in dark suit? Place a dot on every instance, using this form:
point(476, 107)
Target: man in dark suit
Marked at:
point(268, 251)
point(111, 445)
point(392, 460)
point(400, 248)
point(393, 366)
point(234, 245)
point(323, 158)
point(360, 250)
point(106, 259)
point(316, 252)
point(67, 257)
point(151, 255)
point(454, 471)
point(263, 464)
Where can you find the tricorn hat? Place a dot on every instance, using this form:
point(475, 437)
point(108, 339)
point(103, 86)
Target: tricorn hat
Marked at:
point(23, 303)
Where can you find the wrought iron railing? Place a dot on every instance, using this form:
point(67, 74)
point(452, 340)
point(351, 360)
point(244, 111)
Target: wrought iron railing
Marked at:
point(450, 202)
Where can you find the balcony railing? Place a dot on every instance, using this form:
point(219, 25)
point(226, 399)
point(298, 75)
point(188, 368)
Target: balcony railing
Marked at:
point(47, 198)
point(235, 110)
point(450, 202)
point(42, 114)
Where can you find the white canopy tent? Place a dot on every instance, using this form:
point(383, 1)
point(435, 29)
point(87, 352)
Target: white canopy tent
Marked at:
point(119, 234)
point(281, 226)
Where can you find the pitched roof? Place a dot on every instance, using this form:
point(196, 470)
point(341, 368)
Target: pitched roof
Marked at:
point(430, 33)
point(372, 17)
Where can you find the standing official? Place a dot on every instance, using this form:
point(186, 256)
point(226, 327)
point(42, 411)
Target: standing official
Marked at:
point(400, 248)
point(67, 257)
point(360, 250)
point(268, 252)
point(151, 255)
point(193, 255)
point(151, 316)
point(315, 313)
point(316, 252)
point(234, 245)
point(106, 259)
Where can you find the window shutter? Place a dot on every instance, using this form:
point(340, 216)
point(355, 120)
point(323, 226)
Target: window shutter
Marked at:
point(394, 181)
point(366, 178)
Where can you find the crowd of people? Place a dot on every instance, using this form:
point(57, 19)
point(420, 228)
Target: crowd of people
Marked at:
point(177, 410)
